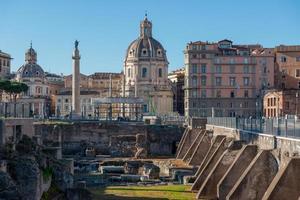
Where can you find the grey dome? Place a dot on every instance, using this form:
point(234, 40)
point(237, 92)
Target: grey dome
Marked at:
point(30, 70)
point(146, 48)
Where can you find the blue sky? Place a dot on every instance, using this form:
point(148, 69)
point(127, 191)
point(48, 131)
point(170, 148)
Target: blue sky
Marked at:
point(105, 28)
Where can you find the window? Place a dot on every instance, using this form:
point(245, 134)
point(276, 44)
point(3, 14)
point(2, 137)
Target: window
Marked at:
point(145, 108)
point(66, 107)
point(297, 72)
point(218, 81)
point(246, 81)
point(218, 93)
point(232, 94)
point(203, 47)
point(144, 72)
point(232, 60)
point(194, 104)
point(194, 68)
point(265, 70)
point(283, 59)
point(144, 52)
point(203, 93)
point(194, 81)
point(203, 80)
point(298, 59)
point(203, 68)
point(58, 100)
point(128, 72)
point(159, 52)
point(232, 81)
point(194, 93)
point(232, 69)
point(66, 100)
point(203, 56)
point(246, 93)
point(160, 72)
point(218, 69)
point(246, 60)
point(246, 69)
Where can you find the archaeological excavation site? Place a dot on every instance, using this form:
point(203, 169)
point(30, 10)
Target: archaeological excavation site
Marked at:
point(130, 160)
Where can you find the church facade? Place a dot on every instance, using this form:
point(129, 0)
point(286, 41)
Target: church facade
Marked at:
point(146, 73)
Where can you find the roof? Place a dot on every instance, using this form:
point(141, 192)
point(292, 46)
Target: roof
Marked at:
point(48, 74)
point(31, 70)
point(82, 92)
point(3, 54)
point(105, 75)
point(151, 45)
point(225, 40)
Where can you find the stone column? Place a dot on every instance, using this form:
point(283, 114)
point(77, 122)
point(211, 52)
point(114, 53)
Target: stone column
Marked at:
point(76, 82)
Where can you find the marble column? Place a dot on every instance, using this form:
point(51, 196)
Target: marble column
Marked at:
point(76, 82)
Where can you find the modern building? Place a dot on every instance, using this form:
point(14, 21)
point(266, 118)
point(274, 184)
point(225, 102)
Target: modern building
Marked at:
point(5, 61)
point(222, 79)
point(278, 103)
point(176, 78)
point(146, 72)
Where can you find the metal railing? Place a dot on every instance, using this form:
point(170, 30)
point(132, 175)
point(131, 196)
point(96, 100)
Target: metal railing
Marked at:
point(282, 126)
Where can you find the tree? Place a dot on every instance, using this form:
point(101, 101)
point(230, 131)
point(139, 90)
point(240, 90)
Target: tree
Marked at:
point(4, 85)
point(13, 89)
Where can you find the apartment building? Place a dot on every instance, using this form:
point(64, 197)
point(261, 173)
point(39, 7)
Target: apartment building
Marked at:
point(223, 79)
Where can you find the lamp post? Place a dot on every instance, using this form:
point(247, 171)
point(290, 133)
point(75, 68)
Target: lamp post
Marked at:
point(296, 113)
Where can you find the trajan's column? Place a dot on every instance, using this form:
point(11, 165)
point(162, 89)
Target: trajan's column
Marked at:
point(76, 82)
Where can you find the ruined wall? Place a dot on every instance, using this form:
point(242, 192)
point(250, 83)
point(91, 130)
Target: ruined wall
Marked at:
point(75, 137)
point(12, 130)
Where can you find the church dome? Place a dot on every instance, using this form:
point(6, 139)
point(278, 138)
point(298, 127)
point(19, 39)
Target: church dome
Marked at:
point(145, 46)
point(30, 68)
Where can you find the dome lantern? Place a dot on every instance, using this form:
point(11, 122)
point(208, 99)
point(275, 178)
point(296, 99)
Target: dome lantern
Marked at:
point(146, 28)
point(30, 55)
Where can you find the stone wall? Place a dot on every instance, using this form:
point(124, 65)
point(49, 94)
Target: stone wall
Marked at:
point(12, 130)
point(283, 148)
point(103, 137)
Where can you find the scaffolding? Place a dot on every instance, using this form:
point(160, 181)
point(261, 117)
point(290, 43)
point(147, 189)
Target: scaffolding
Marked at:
point(126, 108)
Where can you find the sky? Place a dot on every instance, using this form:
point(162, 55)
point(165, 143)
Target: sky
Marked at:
point(105, 28)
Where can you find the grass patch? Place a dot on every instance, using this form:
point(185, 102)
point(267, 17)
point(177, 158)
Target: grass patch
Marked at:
point(164, 192)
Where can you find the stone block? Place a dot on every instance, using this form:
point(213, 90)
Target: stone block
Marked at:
point(239, 165)
point(187, 142)
point(151, 171)
point(208, 189)
point(216, 154)
point(194, 145)
point(255, 180)
point(286, 184)
point(201, 150)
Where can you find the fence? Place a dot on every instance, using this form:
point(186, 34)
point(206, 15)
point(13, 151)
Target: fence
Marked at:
point(286, 127)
